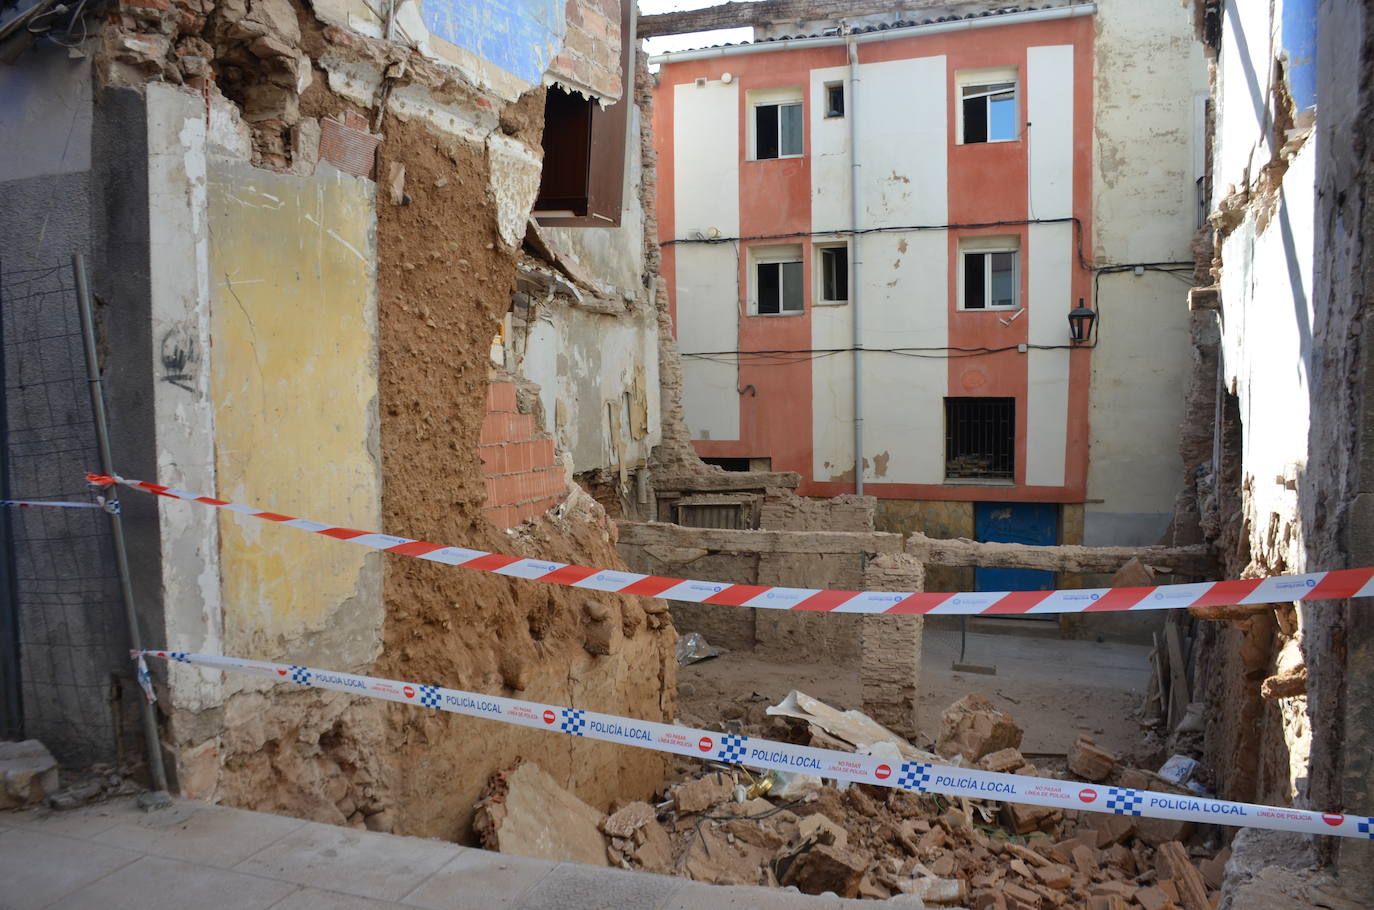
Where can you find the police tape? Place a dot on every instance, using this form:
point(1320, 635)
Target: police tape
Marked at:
point(1334, 585)
point(915, 777)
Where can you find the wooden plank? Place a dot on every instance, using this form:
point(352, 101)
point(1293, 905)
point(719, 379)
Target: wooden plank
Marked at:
point(1179, 696)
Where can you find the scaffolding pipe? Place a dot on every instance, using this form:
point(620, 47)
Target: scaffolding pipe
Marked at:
point(851, 109)
point(157, 772)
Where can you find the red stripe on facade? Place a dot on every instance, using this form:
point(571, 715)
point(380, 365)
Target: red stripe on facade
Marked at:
point(414, 548)
point(569, 575)
point(737, 595)
point(825, 601)
point(490, 562)
point(1224, 593)
point(920, 603)
point(651, 586)
point(1340, 584)
point(1119, 599)
point(341, 533)
point(1018, 602)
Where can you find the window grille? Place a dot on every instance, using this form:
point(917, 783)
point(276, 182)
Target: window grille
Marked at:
point(980, 438)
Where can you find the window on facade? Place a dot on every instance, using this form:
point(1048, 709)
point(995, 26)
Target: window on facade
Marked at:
point(980, 438)
point(777, 130)
point(779, 288)
point(834, 99)
point(990, 280)
point(834, 274)
point(989, 112)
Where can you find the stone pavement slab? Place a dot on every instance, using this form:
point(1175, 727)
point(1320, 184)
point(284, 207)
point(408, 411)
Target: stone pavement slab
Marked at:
point(365, 863)
point(113, 856)
point(37, 868)
point(159, 883)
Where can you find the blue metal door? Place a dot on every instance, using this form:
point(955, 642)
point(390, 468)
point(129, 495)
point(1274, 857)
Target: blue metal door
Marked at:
point(1015, 522)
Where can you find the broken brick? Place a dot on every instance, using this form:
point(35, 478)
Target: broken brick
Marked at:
point(973, 728)
point(1089, 762)
point(703, 793)
point(825, 868)
point(1002, 761)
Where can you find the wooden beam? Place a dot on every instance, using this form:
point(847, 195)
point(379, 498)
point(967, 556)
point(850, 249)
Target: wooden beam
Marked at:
point(767, 12)
point(1196, 561)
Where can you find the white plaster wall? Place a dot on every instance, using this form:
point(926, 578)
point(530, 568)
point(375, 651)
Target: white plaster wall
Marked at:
point(1049, 263)
point(586, 363)
point(1147, 150)
point(905, 300)
point(1049, 259)
point(1244, 72)
point(1050, 111)
point(706, 195)
point(902, 128)
point(1266, 292)
point(830, 179)
point(180, 308)
point(902, 276)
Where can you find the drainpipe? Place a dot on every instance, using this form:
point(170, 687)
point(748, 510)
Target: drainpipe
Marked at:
point(851, 107)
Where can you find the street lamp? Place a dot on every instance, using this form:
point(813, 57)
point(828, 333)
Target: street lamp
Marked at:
point(1081, 321)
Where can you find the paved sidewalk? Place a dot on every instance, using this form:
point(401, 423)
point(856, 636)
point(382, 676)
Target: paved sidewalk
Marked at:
point(114, 856)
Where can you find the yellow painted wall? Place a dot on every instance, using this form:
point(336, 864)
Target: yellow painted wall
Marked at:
point(294, 381)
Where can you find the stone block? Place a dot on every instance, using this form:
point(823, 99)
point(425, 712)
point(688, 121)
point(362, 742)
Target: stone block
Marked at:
point(28, 773)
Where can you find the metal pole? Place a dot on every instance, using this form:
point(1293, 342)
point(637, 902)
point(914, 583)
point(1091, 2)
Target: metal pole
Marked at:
point(851, 110)
point(153, 743)
point(12, 711)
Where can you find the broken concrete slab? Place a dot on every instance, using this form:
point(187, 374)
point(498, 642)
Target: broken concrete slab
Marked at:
point(28, 773)
point(526, 812)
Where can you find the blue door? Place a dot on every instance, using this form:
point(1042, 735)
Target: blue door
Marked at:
point(1015, 522)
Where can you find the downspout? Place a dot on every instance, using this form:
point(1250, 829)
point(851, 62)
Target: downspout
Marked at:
point(852, 112)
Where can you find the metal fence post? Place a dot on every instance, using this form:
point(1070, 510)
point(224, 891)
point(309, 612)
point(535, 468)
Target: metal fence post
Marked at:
point(159, 796)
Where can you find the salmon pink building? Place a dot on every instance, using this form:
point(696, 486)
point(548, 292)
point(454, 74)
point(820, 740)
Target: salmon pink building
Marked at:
point(875, 233)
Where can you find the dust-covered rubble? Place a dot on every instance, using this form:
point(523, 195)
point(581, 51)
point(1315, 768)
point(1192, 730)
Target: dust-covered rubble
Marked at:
point(727, 825)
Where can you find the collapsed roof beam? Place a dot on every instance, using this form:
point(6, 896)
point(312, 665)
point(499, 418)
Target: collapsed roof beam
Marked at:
point(743, 14)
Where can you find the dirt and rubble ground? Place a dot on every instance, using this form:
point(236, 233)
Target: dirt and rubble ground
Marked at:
point(1056, 708)
point(1056, 690)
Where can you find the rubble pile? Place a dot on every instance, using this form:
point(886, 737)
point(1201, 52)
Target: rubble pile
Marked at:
point(729, 826)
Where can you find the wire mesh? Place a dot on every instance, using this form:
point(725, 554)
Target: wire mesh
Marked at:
point(65, 606)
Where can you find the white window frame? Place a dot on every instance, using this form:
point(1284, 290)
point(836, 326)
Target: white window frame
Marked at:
point(991, 76)
point(779, 97)
point(826, 89)
point(818, 297)
point(776, 255)
point(980, 246)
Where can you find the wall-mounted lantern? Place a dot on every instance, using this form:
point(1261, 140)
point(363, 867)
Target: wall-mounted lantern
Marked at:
point(1081, 321)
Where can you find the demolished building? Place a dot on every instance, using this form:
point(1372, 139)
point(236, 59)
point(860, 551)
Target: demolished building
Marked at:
point(354, 262)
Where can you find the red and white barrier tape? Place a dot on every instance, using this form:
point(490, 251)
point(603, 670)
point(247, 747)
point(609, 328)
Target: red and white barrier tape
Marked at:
point(919, 777)
point(1334, 585)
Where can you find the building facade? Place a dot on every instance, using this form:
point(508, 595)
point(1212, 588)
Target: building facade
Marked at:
point(874, 236)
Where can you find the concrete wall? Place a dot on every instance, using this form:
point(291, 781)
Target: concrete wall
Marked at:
point(1148, 89)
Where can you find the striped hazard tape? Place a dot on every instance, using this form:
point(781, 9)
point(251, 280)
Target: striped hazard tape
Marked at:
point(1333, 585)
point(920, 777)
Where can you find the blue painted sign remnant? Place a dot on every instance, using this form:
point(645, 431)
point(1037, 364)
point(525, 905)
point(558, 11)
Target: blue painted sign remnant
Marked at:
point(520, 36)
